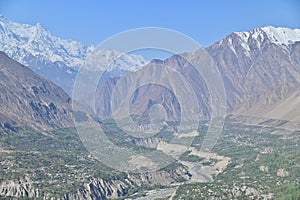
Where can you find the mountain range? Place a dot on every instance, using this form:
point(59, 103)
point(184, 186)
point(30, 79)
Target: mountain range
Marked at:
point(54, 58)
point(259, 69)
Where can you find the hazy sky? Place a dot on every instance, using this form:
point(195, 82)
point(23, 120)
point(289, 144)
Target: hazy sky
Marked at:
point(205, 21)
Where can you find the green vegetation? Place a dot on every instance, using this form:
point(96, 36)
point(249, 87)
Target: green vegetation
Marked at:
point(141, 191)
point(191, 158)
point(79, 116)
point(262, 166)
point(287, 192)
point(55, 161)
point(58, 163)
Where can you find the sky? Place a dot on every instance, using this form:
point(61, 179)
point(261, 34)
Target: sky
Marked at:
point(91, 22)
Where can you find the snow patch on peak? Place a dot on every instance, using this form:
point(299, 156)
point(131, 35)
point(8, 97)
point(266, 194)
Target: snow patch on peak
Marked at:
point(283, 36)
point(243, 35)
point(231, 45)
point(39, 25)
point(279, 36)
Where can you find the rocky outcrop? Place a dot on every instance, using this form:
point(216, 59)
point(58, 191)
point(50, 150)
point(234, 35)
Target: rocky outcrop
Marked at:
point(21, 188)
point(98, 188)
point(150, 142)
point(282, 173)
point(162, 177)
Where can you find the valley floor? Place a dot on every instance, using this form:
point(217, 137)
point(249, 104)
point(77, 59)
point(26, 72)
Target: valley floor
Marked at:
point(245, 164)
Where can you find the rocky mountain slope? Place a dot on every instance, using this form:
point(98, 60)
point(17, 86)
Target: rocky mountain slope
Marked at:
point(27, 99)
point(256, 62)
point(286, 109)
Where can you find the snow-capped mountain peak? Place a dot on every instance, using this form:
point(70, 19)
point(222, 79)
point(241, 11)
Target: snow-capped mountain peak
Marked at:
point(23, 41)
point(256, 39)
point(58, 59)
point(279, 35)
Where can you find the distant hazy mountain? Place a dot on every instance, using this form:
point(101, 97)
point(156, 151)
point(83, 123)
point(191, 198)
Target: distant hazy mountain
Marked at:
point(54, 58)
point(252, 65)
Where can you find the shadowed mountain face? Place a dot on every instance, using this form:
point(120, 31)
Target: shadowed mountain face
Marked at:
point(27, 99)
point(258, 67)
